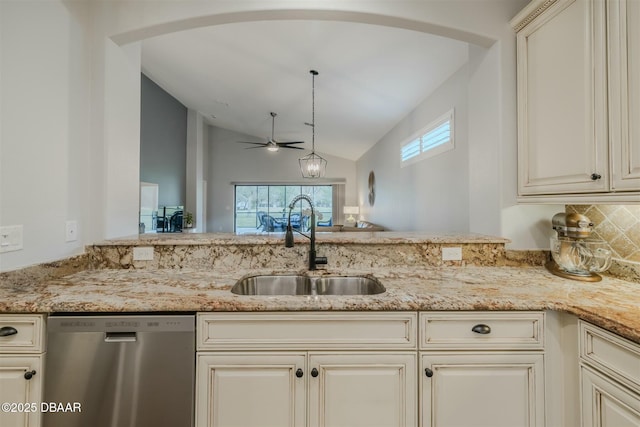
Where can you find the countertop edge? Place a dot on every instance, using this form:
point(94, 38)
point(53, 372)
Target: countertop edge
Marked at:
point(360, 237)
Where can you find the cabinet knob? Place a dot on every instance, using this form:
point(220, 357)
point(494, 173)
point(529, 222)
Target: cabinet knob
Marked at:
point(428, 372)
point(299, 373)
point(595, 176)
point(314, 372)
point(29, 374)
point(6, 331)
point(481, 329)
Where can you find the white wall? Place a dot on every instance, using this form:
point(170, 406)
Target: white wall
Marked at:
point(484, 140)
point(431, 194)
point(196, 172)
point(45, 104)
point(69, 127)
point(491, 168)
point(114, 142)
point(230, 162)
point(121, 139)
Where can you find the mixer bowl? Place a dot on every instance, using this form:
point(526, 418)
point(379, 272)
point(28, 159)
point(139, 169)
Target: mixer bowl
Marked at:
point(580, 256)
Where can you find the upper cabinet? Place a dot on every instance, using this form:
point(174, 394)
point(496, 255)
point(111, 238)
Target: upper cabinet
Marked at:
point(578, 90)
point(624, 93)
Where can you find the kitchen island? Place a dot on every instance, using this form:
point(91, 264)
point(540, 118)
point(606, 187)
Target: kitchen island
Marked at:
point(195, 272)
point(612, 304)
point(444, 312)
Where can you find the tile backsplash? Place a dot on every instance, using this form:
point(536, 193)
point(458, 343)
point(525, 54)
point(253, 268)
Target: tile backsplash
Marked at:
point(618, 225)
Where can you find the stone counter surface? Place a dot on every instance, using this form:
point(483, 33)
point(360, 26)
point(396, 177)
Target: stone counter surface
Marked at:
point(261, 238)
point(612, 304)
point(364, 250)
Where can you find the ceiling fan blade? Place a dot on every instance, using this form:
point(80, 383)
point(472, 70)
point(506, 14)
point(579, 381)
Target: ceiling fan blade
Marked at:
point(272, 144)
point(254, 143)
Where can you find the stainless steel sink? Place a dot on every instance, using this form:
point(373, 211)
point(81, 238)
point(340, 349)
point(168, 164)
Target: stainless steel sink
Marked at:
point(273, 285)
point(304, 285)
point(348, 285)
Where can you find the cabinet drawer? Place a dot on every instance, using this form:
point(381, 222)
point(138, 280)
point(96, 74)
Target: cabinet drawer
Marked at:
point(308, 331)
point(614, 355)
point(26, 333)
point(481, 330)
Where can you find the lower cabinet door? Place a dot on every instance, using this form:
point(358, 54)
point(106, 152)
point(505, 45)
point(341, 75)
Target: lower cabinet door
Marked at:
point(607, 404)
point(20, 397)
point(482, 390)
point(362, 390)
point(251, 390)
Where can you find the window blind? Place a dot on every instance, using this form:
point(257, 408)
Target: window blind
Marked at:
point(438, 134)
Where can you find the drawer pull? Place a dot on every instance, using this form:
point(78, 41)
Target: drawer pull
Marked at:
point(29, 374)
point(6, 331)
point(481, 329)
point(314, 372)
point(299, 373)
point(428, 372)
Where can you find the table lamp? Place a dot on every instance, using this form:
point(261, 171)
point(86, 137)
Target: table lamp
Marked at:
point(351, 211)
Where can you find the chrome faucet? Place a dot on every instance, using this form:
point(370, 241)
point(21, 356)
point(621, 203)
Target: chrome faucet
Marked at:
point(288, 238)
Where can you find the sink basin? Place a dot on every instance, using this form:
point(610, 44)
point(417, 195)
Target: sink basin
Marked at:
point(348, 285)
point(303, 285)
point(273, 285)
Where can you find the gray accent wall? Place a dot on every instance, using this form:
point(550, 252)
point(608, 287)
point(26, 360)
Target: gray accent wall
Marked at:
point(163, 143)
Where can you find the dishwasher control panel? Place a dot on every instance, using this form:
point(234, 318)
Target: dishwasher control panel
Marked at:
point(125, 323)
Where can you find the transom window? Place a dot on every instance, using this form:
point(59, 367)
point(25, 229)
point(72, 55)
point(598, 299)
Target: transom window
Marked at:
point(434, 139)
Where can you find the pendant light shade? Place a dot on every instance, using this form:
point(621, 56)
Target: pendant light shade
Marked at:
point(312, 165)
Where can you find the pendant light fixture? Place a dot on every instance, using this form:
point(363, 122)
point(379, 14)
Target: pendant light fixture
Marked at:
point(312, 165)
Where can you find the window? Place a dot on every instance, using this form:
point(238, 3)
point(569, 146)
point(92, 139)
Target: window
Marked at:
point(432, 140)
point(266, 207)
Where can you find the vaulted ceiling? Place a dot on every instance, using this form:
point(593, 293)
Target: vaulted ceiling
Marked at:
point(370, 77)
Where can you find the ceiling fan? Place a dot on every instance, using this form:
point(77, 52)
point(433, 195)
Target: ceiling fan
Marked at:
point(272, 144)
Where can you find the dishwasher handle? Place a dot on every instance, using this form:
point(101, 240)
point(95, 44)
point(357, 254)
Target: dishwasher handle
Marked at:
point(120, 337)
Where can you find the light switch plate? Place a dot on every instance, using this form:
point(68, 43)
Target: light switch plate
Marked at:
point(452, 254)
point(10, 238)
point(143, 253)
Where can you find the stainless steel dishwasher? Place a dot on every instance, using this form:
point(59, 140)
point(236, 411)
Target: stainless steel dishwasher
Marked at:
point(120, 370)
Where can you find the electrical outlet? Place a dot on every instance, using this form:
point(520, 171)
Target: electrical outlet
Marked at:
point(71, 232)
point(452, 254)
point(10, 238)
point(143, 253)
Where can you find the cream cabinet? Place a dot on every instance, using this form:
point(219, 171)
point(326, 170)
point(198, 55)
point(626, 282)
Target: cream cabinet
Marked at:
point(362, 389)
point(482, 368)
point(624, 93)
point(370, 369)
point(306, 369)
point(21, 369)
point(610, 379)
point(578, 92)
point(257, 389)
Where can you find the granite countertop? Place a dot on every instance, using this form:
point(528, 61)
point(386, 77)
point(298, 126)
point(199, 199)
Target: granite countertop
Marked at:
point(360, 237)
point(612, 304)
